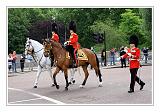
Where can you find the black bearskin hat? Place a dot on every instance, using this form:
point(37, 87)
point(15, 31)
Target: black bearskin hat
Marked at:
point(54, 27)
point(133, 40)
point(72, 26)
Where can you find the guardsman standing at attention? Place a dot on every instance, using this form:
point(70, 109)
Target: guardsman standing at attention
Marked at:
point(134, 59)
point(72, 44)
point(55, 36)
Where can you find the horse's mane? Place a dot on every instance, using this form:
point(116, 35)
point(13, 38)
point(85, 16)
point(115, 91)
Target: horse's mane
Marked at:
point(56, 44)
point(36, 43)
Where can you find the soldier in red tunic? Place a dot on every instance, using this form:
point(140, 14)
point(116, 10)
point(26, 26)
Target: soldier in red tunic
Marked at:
point(72, 45)
point(55, 36)
point(134, 58)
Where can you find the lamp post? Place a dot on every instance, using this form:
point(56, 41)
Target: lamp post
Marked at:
point(105, 60)
point(65, 32)
point(52, 19)
point(47, 31)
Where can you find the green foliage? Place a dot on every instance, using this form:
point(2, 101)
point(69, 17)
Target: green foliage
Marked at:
point(118, 24)
point(98, 48)
point(18, 24)
point(130, 23)
point(113, 36)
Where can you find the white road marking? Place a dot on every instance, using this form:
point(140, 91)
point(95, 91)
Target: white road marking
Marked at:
point(37, 95)
point(25, 100)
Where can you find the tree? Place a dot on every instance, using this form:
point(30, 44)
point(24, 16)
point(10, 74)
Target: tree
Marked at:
point(131, 23)
point(146, 14)
point(18, 25)
point(118, 23)
point(113, 36)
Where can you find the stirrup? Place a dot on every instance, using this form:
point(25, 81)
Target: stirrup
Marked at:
point(74, 65)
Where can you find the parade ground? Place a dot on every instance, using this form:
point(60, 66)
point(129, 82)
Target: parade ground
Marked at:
point(114, 91)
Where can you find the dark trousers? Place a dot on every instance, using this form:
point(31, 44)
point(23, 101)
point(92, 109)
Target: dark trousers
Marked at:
point(123, 62)
point(70, 49)
point(102, 60)
point(9, 67)
point(22, 66)
point(146, 58)
point(134, 78)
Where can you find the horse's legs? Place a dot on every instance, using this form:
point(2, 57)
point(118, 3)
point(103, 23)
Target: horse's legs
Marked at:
point(50, 73)
point(72, 71)
point(37, 78)
point(54, 77)
point(98, 73)
point(66, 78)
point(86, 76)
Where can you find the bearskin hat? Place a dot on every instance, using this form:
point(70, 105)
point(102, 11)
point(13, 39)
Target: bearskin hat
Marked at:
point(133, 40)
point(54, 27)
point(72, 26)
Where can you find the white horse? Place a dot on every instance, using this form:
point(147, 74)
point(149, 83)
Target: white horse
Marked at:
point(36, 49)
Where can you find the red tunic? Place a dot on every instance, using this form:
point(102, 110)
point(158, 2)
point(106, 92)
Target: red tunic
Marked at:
point(74, 40)
point(134, 57)
point(55, 37)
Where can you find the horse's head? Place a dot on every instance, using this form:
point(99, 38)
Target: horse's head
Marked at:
point(47, 47)
point(51, 45)
point(28, 47)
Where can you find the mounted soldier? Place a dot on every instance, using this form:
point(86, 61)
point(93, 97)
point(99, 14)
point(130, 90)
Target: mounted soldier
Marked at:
point(55, 36)
point(63, 61)
point(72, 44)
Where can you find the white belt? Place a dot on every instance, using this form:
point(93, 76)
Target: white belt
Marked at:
point(134, 59)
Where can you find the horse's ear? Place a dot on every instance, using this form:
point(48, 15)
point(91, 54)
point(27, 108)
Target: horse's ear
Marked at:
point(47, 40)
point(27, 39)
point(42, 40)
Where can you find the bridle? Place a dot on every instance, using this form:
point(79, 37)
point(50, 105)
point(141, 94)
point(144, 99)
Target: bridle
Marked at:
point(32, 49)
point(32, 52)
point(48, 50)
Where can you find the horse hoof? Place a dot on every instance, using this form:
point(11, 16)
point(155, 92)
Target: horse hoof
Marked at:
point(52, 85)
point(35, 87)
point(73, 81)
point(66, 88)
point(81, 86)
point(100, 84)
point(57, 86)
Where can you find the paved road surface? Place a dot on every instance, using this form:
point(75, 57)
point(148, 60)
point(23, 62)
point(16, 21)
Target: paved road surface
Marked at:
point(114, 90)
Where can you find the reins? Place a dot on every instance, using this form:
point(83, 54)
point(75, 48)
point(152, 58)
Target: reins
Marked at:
point(34, 56)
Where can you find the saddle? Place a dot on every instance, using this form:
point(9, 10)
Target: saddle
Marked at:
point(80, 55)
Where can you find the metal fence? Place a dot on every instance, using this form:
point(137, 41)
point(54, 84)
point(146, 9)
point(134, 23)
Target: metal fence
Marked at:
point(34, 64)
point(109, 58)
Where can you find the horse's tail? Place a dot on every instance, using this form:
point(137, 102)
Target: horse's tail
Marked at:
point(97, 60)
point(99, 72)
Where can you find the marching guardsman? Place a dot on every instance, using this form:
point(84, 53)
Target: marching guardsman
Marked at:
point(55, 36)
point(72, 44)
point(134, 59)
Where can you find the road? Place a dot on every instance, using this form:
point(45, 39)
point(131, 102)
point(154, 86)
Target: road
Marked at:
point(114, 91)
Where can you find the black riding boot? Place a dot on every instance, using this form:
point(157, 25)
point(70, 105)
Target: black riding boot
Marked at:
point(141, 85)
point(131, 90)
point(74, 65)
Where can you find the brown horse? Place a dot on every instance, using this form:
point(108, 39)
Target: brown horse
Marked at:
point(62, 62)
